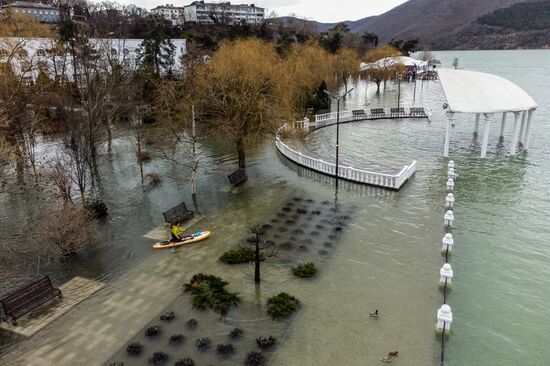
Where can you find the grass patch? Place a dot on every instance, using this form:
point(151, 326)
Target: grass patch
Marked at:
point(209, 292)
point(281, 306)
point(306, 270)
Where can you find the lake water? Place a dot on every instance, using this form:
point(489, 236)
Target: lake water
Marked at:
point(388, 257)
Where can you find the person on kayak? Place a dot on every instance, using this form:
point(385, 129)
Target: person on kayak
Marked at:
point(176, 234)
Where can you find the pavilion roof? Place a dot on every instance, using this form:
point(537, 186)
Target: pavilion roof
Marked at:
point(478, 92)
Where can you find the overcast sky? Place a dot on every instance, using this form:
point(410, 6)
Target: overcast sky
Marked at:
point(328, 11)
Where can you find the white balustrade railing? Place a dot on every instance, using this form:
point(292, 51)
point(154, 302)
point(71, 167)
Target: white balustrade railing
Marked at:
point(379, 113)
point(391, 181)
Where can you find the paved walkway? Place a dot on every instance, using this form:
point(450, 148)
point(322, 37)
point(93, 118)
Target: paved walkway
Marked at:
point(98, 327)
point(74, 291)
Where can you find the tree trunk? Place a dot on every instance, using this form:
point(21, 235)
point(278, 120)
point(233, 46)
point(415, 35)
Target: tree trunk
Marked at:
point(240, 152)
point(109, 134)
point(257, 262)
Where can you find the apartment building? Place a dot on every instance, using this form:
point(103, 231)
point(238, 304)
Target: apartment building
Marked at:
point(175, 14)
point(42, 12)
point(201, 12)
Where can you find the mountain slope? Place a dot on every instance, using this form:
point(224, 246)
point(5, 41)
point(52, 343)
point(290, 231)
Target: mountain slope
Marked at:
point(429, 19)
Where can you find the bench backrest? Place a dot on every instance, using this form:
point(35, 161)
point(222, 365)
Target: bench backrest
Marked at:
point(358, 112)
point(175, 212)
point(417, 110)
point(24, 295)
point(398, 110)
point(377, 111)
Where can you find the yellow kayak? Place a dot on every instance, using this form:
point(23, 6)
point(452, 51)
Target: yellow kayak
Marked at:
point(201, 235)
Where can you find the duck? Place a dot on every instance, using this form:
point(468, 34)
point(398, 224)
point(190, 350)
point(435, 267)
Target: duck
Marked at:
point(386, 359)
point(374, 315)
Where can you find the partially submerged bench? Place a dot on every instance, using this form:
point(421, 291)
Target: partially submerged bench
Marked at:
point(418, 112)
point(359, 114)
point(178, 214)
point(30, 297)
point(397, 112)
point(237, 177)
point(378, 112)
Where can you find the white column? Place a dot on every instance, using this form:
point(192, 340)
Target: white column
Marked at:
point(515, 134)
point(503, 124)
point(528, 130)
point(485, 136)
point(448, 135)
point(476, 128)
point(522, 129)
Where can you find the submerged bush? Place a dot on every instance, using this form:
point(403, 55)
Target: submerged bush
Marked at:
point(134, 348)
point(192, 323)
point(116, 363)
point(209, 292)
point(152, 331)
point(168, 316)
point(306, 270)
point(282, 305)
point(238, 256)
point(225, 349)
point(158, 357)
point(177, 339)
point(154, 179)
point(265, 342)
point(203, 343)
point(254, 359)
point(98, 208)
point(188, 361)
point(236, 333)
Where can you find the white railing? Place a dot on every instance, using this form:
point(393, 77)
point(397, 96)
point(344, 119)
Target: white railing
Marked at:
point(364, 114)
point(390, 181)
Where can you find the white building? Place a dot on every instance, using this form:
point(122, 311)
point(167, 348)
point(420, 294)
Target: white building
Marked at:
point(201, 12)
point(42, 12)
point(175, 14)
point(29, 57)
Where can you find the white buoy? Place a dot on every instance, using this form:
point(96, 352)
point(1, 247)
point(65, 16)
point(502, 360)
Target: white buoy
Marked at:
point(446, 274)
point(449, 218)
point(450, 184)
point(444, 318)
point(448, 243)
point(449, 200)
point(451, 164)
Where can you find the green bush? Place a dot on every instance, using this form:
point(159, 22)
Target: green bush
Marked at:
point(306, 270)
point(208, 292)
point(282, 306)
point(238, 256)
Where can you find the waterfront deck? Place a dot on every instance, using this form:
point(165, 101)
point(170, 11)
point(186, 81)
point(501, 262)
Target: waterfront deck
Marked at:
point(354, 174)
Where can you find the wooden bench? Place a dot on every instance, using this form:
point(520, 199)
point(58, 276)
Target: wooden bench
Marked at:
point(359, 114)
point(178, 214)
point(397, 112)
point(30, 297)
point(237, 177)
point(418, 112)
point(378, 112)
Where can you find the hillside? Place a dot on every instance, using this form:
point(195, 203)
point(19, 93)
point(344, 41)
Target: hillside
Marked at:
point(461, 24)
point(525, 25)
point(429, 19)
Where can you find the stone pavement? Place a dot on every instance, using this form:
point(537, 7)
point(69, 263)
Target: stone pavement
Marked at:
point(74, 291)
point(97, 327)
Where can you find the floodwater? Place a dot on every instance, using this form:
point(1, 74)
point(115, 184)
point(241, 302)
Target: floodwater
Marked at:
point(387, 258)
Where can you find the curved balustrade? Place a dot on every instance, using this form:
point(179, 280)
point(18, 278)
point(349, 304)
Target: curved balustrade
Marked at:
point(350, 173)
point(389, 181)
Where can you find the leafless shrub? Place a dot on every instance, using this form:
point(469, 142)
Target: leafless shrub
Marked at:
point(68, 229)
point(60, 177)
point(154, 179)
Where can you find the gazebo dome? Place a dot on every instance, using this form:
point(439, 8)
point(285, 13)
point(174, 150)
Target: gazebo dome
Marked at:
point(477, 92)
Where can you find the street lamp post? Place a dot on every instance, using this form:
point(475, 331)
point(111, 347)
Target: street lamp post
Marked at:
point(338, 99)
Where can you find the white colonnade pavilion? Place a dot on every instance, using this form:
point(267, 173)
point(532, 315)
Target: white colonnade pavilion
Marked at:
point(478, 94)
